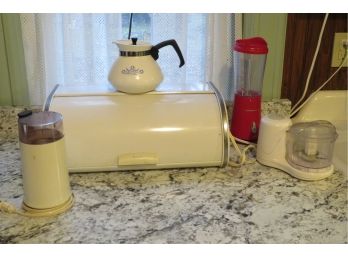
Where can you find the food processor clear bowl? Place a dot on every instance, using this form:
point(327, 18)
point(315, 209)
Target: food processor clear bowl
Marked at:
point(310, 144)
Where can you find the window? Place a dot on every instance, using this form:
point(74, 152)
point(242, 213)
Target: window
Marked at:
point(77, 49)
point(141, 23)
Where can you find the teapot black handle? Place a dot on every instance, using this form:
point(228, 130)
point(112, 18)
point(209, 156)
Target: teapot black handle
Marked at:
point(172, 42)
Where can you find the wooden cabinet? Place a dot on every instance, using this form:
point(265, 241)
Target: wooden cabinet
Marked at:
point(301, 40)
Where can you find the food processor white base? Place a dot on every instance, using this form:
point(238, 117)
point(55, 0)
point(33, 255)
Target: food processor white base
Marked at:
point(310, 174)
point(271, 150)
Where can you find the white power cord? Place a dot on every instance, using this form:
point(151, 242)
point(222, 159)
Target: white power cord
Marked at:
point(242, 154)
point(293, 112)
point(244, 141)
point(313, 62)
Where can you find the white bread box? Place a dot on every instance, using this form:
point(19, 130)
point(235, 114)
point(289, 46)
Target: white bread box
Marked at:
point(172, 127)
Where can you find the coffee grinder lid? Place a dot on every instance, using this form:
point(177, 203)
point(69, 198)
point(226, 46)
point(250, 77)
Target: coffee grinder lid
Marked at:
point(40, 127)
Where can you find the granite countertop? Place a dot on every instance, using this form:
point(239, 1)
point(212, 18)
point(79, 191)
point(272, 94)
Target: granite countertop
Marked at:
point(251, 204)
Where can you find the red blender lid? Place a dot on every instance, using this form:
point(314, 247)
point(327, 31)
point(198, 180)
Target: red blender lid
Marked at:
point(253, 45)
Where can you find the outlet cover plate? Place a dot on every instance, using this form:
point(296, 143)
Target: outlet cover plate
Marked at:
point(338, 50)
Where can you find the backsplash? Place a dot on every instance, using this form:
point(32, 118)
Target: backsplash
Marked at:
point(279, 106)
point(8, 122)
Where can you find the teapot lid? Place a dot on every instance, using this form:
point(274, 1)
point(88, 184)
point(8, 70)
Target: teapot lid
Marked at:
point(127, 45)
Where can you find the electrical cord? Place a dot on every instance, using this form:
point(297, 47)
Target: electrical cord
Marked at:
point(244, 141)
point(293, 112)
point(11, 209)
point(130, 26)
point(242, 154)
point(313, 62)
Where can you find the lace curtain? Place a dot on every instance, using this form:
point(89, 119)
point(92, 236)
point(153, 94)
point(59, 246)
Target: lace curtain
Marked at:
point(77, 49)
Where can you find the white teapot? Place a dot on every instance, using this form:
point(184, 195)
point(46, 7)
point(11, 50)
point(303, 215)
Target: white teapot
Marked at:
point(136, 71)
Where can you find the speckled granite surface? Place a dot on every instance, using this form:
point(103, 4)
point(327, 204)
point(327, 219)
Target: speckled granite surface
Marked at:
point(252, 204)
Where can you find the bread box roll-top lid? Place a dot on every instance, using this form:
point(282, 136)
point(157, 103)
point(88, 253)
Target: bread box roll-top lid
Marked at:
point(175, 126)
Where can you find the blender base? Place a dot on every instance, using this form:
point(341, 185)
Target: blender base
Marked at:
point(246, 116)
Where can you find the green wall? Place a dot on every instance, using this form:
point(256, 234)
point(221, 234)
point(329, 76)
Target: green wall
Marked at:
point(13, 82)
point(272, 27)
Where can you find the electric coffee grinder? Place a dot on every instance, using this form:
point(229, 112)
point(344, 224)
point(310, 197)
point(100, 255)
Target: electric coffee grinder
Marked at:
point(249, 64)
point(45, 175)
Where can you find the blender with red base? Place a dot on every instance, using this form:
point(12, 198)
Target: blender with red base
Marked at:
point(249, 64)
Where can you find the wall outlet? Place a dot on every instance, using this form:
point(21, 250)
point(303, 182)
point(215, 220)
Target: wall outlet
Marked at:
point(338, 50)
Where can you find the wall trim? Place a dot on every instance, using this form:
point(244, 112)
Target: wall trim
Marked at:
point(12, 35)
point(5, 85)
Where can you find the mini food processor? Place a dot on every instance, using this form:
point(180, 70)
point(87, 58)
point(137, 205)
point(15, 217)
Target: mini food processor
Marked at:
point(304, 150)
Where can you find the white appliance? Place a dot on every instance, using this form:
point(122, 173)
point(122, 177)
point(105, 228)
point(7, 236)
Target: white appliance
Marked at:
point(173, 127)
point(304, 150)
point(45, 176)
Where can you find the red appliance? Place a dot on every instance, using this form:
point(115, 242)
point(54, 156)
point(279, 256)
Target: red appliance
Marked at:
point(249, 64)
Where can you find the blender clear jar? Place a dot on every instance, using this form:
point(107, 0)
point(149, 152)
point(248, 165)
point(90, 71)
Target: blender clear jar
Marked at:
point(248, 73)
point(249, 58)
point(310, 144)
